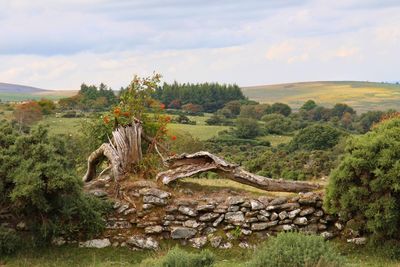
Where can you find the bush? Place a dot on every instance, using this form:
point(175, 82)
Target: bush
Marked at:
point(295, 249)
point(38, 179)
point(247, 128)
point(366, 183)
point(316, 137)
point(9, 241)
point(178, 257)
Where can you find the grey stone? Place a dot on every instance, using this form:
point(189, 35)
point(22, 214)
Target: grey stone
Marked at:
point(274, 216)
point(116, 205)
point(358, 240)
point(307, 211)
point(300, 221)
point(218, 220)
point(307, 201)
point(169, 217)
point(171, 208)
point(215, 241)
point(256, 205)
point(181, 217)
point(246, 204)
point(96, 243)
point(129, 211)
point(262, 218)
point(182, 232)
point(327, 235)
point(246, 232)
point(155, 200)
point(113, 224)
point(206, 207)
point(153, 229)
point(208, 217)
point(319, 213)
point(339, 226)
point(226, 245)
point(98, 193)
point(283, 215)
point(253, 219)
point(289, 206)
point(244, 209)
point(293, 213)
point(278, 201)
point(244, 245)
point(198, 242)
point(147, 206)
point(143, 242)
point(58, 241)
point(191, 224)
point(234, 200)
point(187, 211)
point(233, 208)
point(234, 217)
point(122, 208)
point(262, 226)
point(154, 192)
point(265, 213)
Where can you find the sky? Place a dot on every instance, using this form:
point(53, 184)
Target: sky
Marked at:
point(58, 44)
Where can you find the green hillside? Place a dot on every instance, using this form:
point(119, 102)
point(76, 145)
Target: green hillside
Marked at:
point(362, 96)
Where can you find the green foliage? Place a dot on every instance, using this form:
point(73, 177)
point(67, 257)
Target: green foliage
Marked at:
point(295, 250)
point(247, 128)
point(309, 105)
point(90, 98)
point(183, 119)
point(367, 183)
point(9, 241)
point(38, 179)
point(278, 124)
point(211, 96)
point(281, 108)
point(47, 106)
point(178, 257)
point(315, 137)
point(297, 165)
point(340, 109)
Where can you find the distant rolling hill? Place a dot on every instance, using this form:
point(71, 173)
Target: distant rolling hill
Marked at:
point(16, 92)
point(363, 96)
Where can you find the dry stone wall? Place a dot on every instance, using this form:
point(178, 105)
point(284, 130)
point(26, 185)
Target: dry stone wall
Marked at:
point(148, 214)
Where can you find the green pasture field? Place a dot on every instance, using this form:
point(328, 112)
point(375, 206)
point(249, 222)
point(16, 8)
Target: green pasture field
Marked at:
point(362, 96)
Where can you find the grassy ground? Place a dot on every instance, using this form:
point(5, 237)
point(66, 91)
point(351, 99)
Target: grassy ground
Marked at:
point(67, 256)
point(276, 139)
point(71, 126)
point(362, 96)
point(203, 132)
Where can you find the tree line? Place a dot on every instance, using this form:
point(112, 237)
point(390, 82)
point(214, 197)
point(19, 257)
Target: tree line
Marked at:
point(207, 97)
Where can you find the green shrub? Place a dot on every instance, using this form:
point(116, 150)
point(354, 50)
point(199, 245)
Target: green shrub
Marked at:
point(178, 257)
point(316, 137)
point(366, 183)
point(295, 250)
point(9, 241)
point(38, 179)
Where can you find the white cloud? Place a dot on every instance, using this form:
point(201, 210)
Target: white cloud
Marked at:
point(60, 44)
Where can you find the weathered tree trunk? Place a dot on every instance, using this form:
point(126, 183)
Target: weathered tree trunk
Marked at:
point(123, 152)
point(187, 165)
